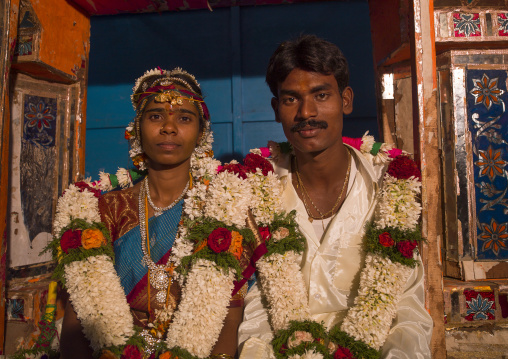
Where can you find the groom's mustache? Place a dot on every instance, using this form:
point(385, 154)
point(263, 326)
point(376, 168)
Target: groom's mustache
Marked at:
point(309, 123)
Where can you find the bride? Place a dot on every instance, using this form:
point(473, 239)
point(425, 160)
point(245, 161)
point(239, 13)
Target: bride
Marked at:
point(171, 126)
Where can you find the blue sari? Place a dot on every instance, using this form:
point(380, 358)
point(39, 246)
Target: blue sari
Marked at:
point(128, 255)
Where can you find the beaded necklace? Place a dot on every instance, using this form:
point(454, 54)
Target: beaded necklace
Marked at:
point(159, 275)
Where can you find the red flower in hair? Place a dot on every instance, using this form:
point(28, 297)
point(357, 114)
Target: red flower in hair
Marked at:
point(343, 353)
point(235, 168)
point(404, 167)
point(406, 248)
point(70, 239)
point(219, 240)
point(386, 240)
point(83, 186)
point(253, 161)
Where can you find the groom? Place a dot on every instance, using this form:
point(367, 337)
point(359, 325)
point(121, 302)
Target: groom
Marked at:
point(333, 189)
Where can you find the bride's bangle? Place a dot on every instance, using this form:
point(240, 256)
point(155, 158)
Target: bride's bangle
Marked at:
point(221, 356)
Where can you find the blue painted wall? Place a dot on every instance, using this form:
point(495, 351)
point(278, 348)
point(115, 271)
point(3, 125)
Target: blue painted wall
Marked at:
point(228, 50)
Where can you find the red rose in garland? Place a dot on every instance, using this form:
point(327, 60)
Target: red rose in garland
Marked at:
point(131, 352)
point(83, 186)
point(406, 248)
point(386, 240)
point(219, 240)
point(404, 167)
point(253, 161)
point(265, 233)
point(235, 168)
point(70, 239)
point(343, 353)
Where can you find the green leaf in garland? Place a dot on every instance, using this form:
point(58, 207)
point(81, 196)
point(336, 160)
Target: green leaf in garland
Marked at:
point(78, 254)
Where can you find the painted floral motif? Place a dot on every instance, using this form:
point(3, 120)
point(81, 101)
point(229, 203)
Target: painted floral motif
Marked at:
point(39, 120)
point(480, 305)
point(502, 20)
point(485, 91)
point(466, 25)
point(494, 236)
point(490, 163)
point(486, 98)
point(39, 116)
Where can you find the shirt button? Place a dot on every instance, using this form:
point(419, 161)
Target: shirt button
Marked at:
point(317, 296)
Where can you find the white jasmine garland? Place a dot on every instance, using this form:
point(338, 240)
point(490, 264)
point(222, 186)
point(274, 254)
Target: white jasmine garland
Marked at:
point(397, 206)
point(266, 196)
point(75, 204)
point(99, 300)
point(205, 166)
point(381, 287)
point(282, 282)
point(195, 201)
point(203, 307)
point(228, 199)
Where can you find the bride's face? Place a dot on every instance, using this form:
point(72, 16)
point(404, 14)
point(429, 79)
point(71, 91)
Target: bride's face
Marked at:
point(169, 133)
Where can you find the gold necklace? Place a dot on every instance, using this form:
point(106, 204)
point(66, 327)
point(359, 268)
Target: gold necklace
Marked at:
point(306, 194)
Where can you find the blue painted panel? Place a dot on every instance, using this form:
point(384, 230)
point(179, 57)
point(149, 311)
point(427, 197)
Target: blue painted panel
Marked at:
point(346, 24)
point(109, 106)
point(222, 146)
point(218, 98)
point(106, 150)
point(122, 47)
point(488, 122)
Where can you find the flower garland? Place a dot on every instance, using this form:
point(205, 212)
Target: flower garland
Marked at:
point(214, 231)
point(391, 241)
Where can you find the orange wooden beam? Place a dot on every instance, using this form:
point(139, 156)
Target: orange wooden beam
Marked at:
point(426, 144)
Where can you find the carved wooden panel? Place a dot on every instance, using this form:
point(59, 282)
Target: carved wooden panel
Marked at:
point(474, 123)
point(42, 155)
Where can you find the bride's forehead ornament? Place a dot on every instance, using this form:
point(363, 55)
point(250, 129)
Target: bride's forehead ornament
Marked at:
point(161, 85)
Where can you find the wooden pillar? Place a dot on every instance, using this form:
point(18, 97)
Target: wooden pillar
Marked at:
point(426, 145)
point(8, 34)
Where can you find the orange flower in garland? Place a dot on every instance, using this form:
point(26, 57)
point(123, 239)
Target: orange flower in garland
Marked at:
point(92, 238)
point(236, 248)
